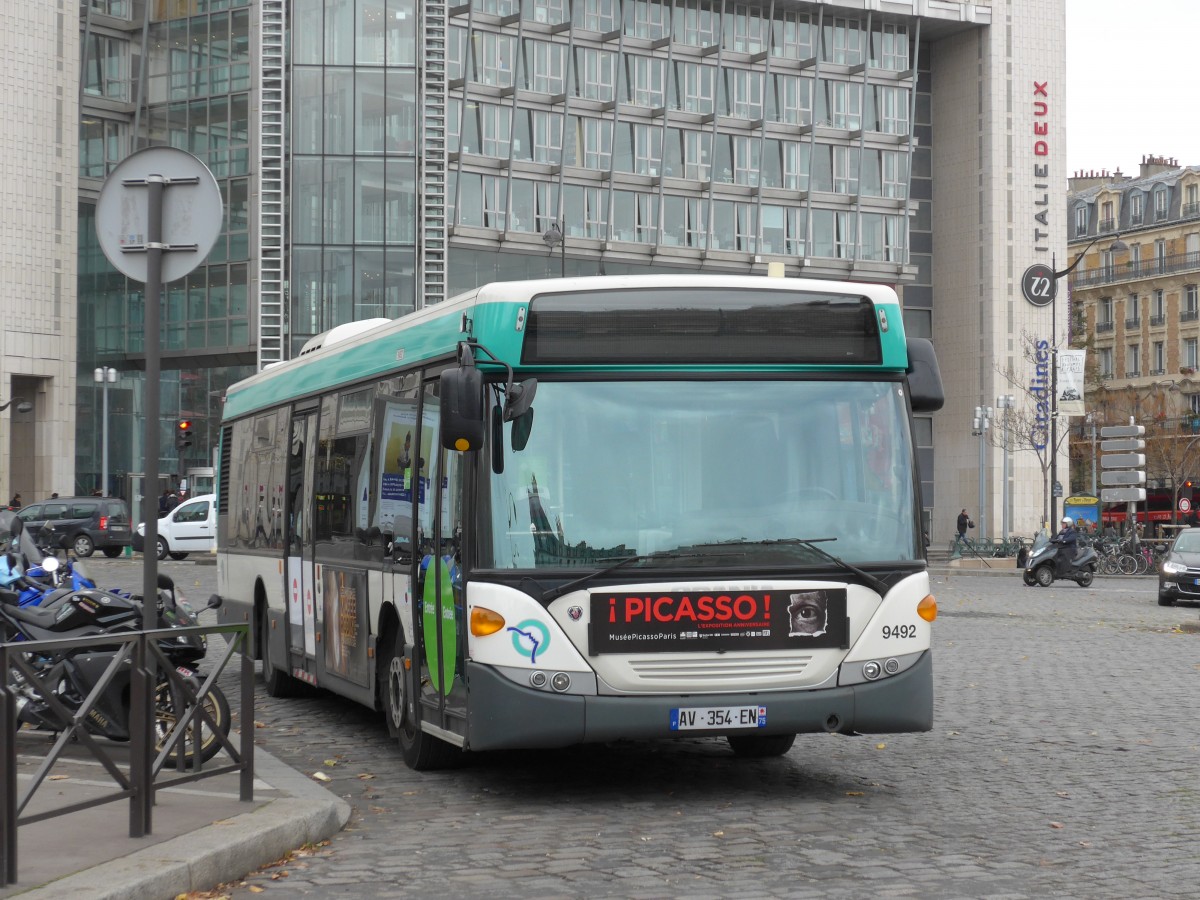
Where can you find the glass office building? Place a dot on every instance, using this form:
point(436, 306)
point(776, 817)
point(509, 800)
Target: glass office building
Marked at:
point(379, 155)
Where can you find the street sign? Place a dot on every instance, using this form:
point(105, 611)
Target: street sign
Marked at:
point(1125, 476)
point(191, 215)
point(1123, 460)
point(1126, 444)
point(1185, 504)
point(1122, 431)
point(1123, 495)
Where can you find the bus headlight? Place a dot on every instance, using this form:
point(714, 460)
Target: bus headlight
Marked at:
point(872, 670)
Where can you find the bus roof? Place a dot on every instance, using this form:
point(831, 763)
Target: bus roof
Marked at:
point(494, 315)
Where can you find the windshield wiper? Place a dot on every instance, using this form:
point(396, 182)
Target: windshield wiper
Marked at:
point(554, 593)
point(811, 544)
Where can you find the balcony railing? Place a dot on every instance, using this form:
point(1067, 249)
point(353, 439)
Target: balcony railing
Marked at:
point(1135, 218)
point(1133, 373)
point(1130, 324)
point(1189, 315)
point(1190, 209)
point(1104, 326)
point(1168, 265)
point(1106, 225)
point(1158, 320)
point(1158, 371)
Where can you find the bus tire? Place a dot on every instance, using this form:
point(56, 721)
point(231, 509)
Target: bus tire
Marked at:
point(422, 752)
point(760, 746)
point(277, 682)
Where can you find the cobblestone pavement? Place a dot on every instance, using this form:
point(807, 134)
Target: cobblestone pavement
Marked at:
point(1063, 763)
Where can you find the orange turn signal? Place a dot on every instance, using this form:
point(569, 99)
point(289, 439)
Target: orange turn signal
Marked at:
point(484, 621)
point(927, 608)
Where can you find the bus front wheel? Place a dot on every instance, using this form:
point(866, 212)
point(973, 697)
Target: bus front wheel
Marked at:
point(755, 746)
point(421, 751)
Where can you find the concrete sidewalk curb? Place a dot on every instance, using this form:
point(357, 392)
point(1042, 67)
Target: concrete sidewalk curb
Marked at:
point(218, 852)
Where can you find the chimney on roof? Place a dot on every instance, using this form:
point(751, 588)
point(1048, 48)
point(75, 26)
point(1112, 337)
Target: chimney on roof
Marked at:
point(1156, 165)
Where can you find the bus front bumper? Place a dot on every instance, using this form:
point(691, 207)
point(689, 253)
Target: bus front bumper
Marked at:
point(505, 715)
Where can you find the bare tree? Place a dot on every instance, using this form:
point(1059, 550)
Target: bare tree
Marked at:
point(1028, 423)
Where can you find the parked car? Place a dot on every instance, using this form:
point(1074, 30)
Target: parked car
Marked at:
point(82, 524)
point(1179, 573)
point(191, 527)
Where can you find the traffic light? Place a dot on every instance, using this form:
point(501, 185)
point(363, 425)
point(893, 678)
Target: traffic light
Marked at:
point(183, 433)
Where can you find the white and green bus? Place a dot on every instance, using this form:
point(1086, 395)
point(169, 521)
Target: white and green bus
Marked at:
point(554, 512)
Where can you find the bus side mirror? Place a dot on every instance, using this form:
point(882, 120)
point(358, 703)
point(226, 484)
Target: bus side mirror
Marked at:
point(924, 377)
point(461, 412)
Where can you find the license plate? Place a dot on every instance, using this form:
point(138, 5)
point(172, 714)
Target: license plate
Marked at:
point(704, 718)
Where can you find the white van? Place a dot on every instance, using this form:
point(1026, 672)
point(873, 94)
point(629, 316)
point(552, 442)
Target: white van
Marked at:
point(191, 527)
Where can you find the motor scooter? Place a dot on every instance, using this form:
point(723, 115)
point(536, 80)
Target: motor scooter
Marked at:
point(1041, 568)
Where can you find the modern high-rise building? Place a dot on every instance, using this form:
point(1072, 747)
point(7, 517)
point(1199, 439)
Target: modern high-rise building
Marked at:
point(379, 155)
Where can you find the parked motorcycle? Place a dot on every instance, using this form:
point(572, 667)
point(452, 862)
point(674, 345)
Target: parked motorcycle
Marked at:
point(1041, 568)
point(72, 673)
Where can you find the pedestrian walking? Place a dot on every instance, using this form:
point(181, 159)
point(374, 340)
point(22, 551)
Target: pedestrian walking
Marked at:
point(15, 502)
point(964, 522)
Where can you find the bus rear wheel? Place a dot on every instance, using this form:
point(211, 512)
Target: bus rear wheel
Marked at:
point(277, 682)
point(760, 746)
point(421, 751)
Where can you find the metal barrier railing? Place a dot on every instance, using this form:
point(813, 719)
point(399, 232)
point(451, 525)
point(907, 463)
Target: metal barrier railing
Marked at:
point(140, 653)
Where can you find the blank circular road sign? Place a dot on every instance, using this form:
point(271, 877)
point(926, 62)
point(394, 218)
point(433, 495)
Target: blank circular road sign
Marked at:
point(1184, 504)
point(191, 212)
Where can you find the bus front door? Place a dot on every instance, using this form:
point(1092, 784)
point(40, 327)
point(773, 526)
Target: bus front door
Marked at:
point(302, 634)
point(440, 627)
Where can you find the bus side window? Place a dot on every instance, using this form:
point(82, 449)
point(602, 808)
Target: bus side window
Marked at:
point(402, 540)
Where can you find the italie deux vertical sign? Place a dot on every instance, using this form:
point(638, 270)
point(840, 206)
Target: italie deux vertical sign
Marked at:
point(1039, 286)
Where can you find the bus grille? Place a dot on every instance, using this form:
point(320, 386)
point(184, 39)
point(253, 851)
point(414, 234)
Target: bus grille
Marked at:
point(718, 671)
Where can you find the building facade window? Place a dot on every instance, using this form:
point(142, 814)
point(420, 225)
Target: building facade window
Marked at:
point(698, 23)
point(1160, 204)
point(843, 41)
point(1135, 208)
point(1191, 353)
point(1105, 362)
point(1191, 303)
point(889, 46)
point(1158, 353)
point(1081, 219)
point(596, 74)
point(1133, 361)
point(794, 36)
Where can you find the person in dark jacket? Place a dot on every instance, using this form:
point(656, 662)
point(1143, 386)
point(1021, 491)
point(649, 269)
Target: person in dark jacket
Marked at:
point(964, 522)
point(1068, 541)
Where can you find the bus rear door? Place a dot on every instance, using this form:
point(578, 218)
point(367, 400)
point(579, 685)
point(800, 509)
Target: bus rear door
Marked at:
point(302, 639)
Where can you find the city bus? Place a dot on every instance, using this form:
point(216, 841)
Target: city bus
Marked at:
point(555, 512)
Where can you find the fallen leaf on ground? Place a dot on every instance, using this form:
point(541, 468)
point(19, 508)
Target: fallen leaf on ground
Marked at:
point(1056, 824)
point(855, 793)
point(321, 776)
point(365, 776)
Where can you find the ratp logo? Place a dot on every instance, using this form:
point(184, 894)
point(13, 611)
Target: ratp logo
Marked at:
point(530, 638)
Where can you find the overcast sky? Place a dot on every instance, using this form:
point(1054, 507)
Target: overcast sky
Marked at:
point(1131, 83)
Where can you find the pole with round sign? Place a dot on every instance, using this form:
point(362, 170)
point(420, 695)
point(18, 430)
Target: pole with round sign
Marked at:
point(158, 216)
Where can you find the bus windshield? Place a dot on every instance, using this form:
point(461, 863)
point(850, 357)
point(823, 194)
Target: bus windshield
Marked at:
point(732, 471)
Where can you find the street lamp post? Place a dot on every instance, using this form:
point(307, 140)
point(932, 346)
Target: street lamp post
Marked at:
point(1116, 246)
point(104, 375)
point(554, 236)
point(1004, 402)
point(979, 425)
